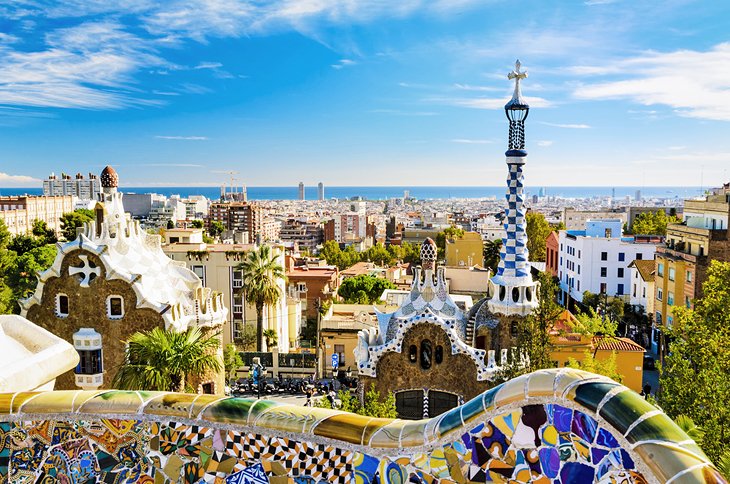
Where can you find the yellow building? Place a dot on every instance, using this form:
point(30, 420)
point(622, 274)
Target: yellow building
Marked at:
point(19, 213)
point(338, 332)
point(466, 251)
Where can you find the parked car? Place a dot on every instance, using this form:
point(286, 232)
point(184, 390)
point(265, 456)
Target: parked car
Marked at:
point(649, 362)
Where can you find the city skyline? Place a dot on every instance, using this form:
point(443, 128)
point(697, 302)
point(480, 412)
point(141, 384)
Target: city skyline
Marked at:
point(363, 93)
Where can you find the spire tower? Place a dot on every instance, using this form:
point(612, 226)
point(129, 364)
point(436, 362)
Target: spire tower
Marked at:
point(513, 290)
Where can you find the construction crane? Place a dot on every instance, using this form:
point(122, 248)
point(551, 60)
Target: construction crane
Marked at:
point(231, 174)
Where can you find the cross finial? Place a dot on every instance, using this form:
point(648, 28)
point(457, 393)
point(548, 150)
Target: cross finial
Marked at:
point(517, 75)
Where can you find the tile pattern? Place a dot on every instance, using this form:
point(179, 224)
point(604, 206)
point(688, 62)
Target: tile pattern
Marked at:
point(547, 427)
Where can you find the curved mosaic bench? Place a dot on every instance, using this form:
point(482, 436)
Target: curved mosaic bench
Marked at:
point(550, 426)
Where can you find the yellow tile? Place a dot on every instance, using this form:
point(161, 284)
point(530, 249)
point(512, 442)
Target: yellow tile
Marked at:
point(113, 401)
point(50, 402)
point(201, 402)
point(5, 399)
point(347, 427)
point(665, 461)
point(83, 396)
point(413, 433)
point(541, 384)
point(19, 399)
point(388, 436)
point(512, 391)
point(286, 418)
point(170, 404)
point(373, 426)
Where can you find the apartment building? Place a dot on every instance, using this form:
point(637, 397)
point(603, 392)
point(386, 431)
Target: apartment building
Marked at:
point(245, 217)
point(19, 213)
point(308, 234)
point(597, 259)
point(78, 186)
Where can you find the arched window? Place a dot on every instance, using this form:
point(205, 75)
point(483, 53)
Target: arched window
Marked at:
point(438, 355)
point(426, 354)
point(61, 305)
point(502, 293)
point(515, 294)
point(528, 294)
point(115, 307)
point(413, 353)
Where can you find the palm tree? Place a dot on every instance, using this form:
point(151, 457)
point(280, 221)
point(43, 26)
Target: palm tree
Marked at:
point(162, 360)
point(261, 273)
point(271, 337)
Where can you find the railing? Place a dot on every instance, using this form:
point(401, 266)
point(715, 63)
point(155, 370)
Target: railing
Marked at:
point(297, 360)
point(267, 359)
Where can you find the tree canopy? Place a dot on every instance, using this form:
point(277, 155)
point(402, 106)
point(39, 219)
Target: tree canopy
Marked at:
point(70, 221)
point(653, 223)
point(379, 254)
point(537, 230)
point(164, 360)
point(363, 289)
point(695, 377)
point(491, 254)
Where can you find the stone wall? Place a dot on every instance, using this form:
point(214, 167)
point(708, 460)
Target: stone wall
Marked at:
point(455, 374)
point(87, 309)
point(550, 426)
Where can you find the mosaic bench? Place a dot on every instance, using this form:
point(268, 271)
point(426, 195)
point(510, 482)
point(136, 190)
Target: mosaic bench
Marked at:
point(550, 426)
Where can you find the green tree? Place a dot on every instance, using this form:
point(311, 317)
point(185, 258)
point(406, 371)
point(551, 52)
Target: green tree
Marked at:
point(537, 230)
point(196, 224)
point(41, 230)
point(20, 244)
point(247, 338)
point(653, 223)
point(449, 233)
point(379, 255)
point(171, 224)
point(363, 289)
point(591, 323)
point(534, 332)
point(695, 377)
point(216, 228)
point(271, 337)
point(491, 254)
point(163, 360)
point(373, 405)
point(261, 273)
point(21, 275)
point(594, 365)
point(7, 261)
point(70, 221)
point(232, 360)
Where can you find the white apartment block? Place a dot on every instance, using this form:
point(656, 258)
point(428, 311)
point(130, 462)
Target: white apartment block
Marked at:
point(597, 259)
point(79, 187)
point(577, 219)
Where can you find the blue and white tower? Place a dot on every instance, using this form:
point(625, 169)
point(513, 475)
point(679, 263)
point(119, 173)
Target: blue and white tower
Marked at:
point(513, 290)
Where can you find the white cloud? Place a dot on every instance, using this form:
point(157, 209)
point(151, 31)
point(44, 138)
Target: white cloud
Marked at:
point(494, 103)
point(693, 83)
point(343, 63)
point(183, 138)
point(467, 87)
point(208, 65)
point(567, 126)
point(22, 181)
point(399, 112)
point(472, 141)
point(545, 143)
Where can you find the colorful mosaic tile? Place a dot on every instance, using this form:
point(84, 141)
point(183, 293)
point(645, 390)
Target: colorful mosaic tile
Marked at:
point(169, 438)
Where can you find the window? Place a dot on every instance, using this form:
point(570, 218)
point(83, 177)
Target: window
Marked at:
point(561, 261)
point(608, 233)
point(115, 307)
point(578, 268)
point(579, 253)
point(340, 350)
point(660, 269)
point(620, 290)
point(413, 353)
point(426, 353)
point(639, 256)
point(643, 291)
point(89, 362)
point(621, 256)
point(634, 291)
point(670, 320)
point(670, 298)
point(578, 288)
point(237, 279)
point(604, 271)
point(200, 272)
point(61, 305)
point(301, 287)
point(620, 272)
point(687, 302)
point(658, 317)
point(689, 276)
point(671, 273)
point(604, 255)
point(603, 287)
point(659, 294)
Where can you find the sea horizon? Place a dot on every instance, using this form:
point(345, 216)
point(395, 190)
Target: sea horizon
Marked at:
point(417, 192)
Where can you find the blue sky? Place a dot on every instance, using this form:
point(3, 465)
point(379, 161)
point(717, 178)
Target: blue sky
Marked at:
point(355, 92)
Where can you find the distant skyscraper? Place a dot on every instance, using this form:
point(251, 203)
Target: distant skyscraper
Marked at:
point(406, 194)
point(301, 190)
point(637, 196)
point(320, 191)
point(542, 192)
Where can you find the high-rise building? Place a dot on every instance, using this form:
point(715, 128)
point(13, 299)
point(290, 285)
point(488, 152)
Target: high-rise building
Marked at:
point(80, 187)
point(301, 190)
point(320, 191)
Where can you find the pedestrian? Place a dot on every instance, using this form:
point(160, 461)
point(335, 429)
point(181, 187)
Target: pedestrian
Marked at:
point(308, 403)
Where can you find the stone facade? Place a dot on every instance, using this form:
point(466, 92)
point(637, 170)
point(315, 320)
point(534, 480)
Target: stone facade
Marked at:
point(456, 373)
point(87, 309)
